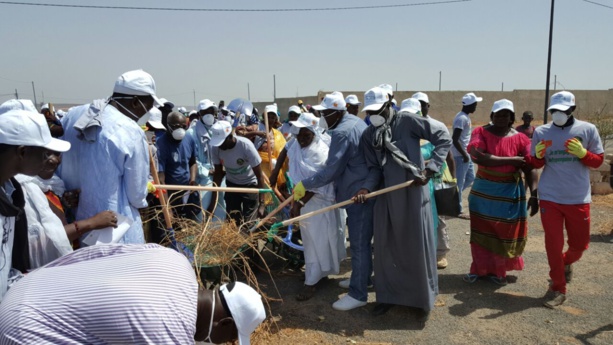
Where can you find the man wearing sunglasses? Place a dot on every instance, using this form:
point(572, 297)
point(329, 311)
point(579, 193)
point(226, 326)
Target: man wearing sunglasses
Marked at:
point(346, 167)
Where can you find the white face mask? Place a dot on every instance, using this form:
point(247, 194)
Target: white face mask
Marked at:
point(559, 118)
point(323, 124)
point(295, 130)
point(178, 134)
point(377, 120)
point(143, 120)
point(208, 120)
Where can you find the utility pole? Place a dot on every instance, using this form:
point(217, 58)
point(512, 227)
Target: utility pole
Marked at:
point(34, 92)
point(194, 90)
point(396, 87)
point(555, 82)
point(274, 87)
point(548, 61)
point(440, 76)
point(16, 94)
point(43, 92)
point(248, 92)
point(502, 86)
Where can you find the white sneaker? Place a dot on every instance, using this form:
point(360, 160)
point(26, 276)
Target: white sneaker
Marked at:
point(345, 284)
point(347, 303)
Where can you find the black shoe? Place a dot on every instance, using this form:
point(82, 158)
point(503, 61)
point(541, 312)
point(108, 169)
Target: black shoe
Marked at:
point(381, 308)
point(423, 315)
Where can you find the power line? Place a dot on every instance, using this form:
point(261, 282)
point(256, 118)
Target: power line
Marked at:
point(16, 81)
point(230, 9)
point(599, 4)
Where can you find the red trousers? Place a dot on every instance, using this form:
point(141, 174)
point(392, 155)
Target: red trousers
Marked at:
point(576, 219)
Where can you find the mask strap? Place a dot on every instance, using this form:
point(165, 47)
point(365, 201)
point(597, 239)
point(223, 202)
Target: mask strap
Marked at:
point(208, 337)
point(134, 117)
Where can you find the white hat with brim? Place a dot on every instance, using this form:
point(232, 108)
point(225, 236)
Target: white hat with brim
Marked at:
point(27, 128)
point(471, 98)
point(219, 132)
point(294, 109)
point(420, 96)
point(334, 100)
point(137, 83)
point(306, 120)
point(410, 105)
point(206, 104)
point(375, 98)
point(562, 101)
point(353, 100)
point(155, 119)
point(271, 108)
point(246, 307)
point(502, 104)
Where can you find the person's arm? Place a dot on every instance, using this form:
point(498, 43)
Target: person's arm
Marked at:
point(162, 177)
point(193, 171)
point(532, 183)
point(257, 170)
point(275, 172)
point(490, 160)
point(455, 138)
point(533, 160)
point(298, 205)
point(450, 164)
point(217, 178)
point(102, 220)
point(335, 164)
point(373, 179)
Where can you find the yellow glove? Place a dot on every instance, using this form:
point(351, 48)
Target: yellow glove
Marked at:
point(574, 147)
point(299, 191)
point(150, 187)
point(540, 149)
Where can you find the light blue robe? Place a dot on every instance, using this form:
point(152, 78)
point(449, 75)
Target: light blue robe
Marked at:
point(111, 172)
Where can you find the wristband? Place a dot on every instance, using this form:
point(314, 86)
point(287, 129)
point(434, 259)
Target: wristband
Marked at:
point(301, 202)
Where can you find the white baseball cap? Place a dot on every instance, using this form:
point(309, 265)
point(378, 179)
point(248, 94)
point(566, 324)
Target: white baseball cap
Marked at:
point(334, 100)
point(137, 83)
point(294, 109)
point(206, 104)
point(388, 88)
point(375, 98)
point(470, 98)
point(155, 119)
point(182, 109)
point(246, 307)
point(271, 108)
point(410, 105)
point(561, 101)
point(219, 132)
point(353, 100)
point(420, 96)
point(46, 106)
point(17, 104)
point(502, 104)
point(29, 128)
point(306, 120)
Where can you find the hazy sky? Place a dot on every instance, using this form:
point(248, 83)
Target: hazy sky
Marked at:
point(74, 55)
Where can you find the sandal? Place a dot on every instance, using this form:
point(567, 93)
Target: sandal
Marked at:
point(502, 281)
point(307, 292)
point(470, 278)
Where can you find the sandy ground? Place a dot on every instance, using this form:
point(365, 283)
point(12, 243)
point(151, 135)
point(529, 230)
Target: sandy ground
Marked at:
point(481, 313)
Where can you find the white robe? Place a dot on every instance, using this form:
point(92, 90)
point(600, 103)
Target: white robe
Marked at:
point(323, 235)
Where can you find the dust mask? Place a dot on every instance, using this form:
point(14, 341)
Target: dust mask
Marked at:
point(178, 134)
point(377, 120)
point(208, 120)
point(323, 124)
point(559, 118)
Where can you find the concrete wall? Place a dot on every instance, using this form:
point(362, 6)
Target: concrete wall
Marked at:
point(446, 104)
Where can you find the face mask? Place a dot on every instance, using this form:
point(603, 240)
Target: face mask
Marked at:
point(178, 134)
point(295, 130)
point(208, 119)
point(141, 121)
point(377, 120)
point(149, 136)
point(559, 118)
point(323, 124)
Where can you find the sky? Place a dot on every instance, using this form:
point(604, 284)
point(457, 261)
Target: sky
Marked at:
point(74, 55)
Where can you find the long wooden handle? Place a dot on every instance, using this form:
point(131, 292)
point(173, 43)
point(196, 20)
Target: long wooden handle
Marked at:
point(211, 189)
point(268, 143)
point(271, 214)
point(162, 196)
point(346, 202)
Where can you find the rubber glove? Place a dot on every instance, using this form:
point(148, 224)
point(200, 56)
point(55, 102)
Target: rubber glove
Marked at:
point(299, 191)
point(150, 187)
point(540, 149)
point(574, 147)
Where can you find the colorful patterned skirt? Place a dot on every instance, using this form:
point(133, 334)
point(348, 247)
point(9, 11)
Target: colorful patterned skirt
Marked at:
point(497, 204)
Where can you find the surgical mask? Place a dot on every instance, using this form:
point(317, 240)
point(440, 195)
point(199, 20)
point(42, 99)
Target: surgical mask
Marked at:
point(377, 120)
point(141, 121)
point(208, 119)
point(178, 134)
point(208, 337)
point(559, 118)
point(323, 124)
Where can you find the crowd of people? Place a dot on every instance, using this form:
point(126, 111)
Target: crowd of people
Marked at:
point(67, 177)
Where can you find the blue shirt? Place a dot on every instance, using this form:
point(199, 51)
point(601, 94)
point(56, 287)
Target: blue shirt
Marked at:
point(346, 165)
point(199, 134)
point(174, 157)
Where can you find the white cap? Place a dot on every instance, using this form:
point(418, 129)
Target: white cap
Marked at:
point(410, 105)
point(246, 307)
point(306, 120)
point(561, 101)
point(219, 132)
point(353, 100)
point(502, 104)
point(155, 120)
point(294, 109)
point(46, 106)
point(420, 96)
point(17, 104)
point(28, 128)
point(138, 83)
point(182, 110)
point(388, 88)
point(271, 108)
point(206, 104)
point(375, 98)
point(334, 100)
point(470, 98)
